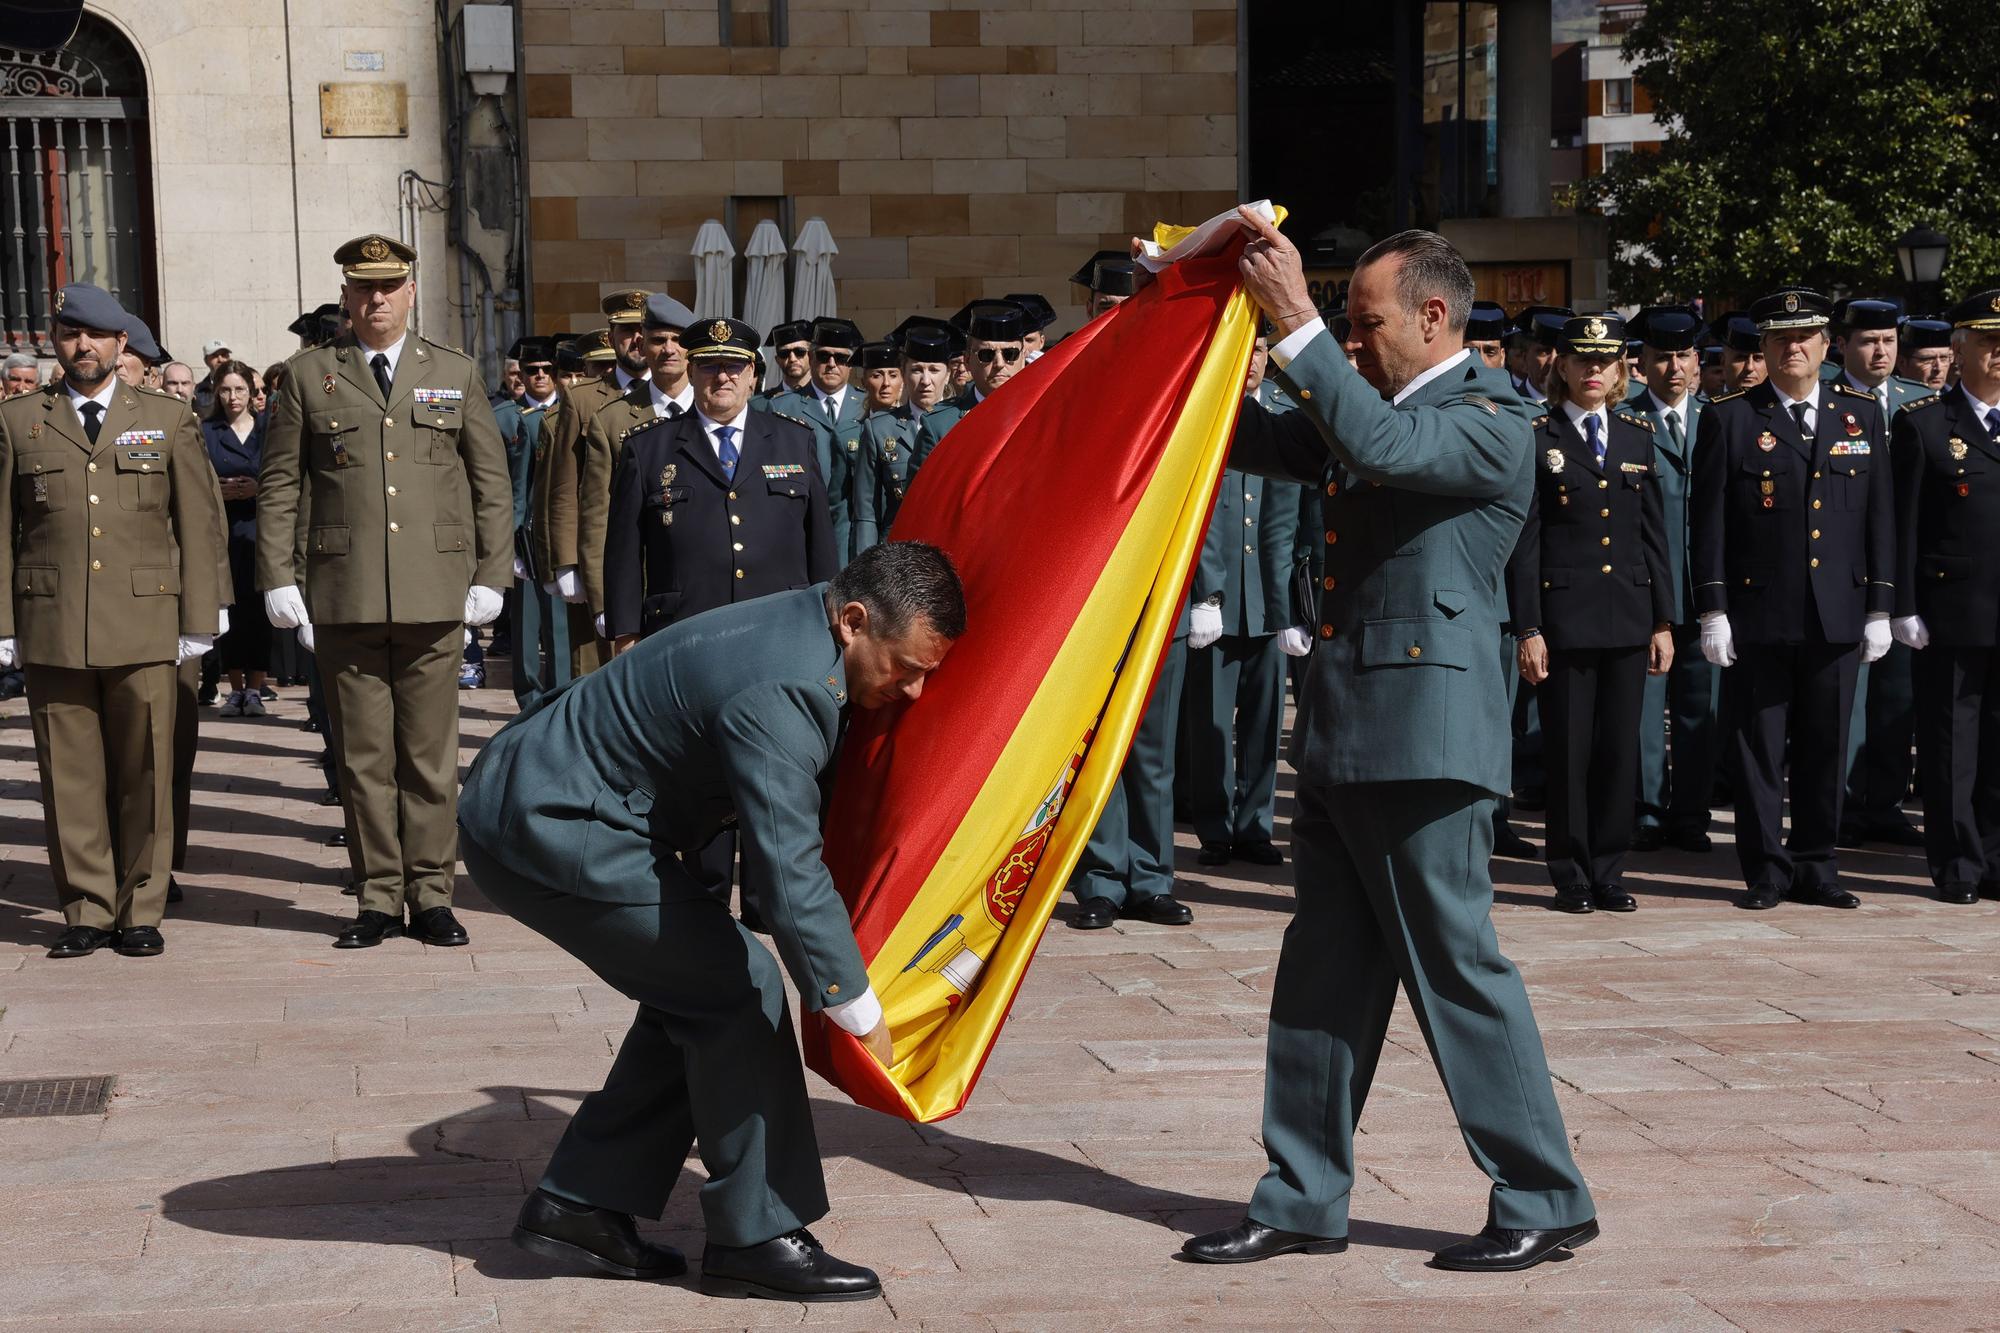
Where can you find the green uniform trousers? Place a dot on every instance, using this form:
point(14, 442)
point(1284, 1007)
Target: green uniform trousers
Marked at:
point(1880, 765)
point(104, 739)
point(1393, 886)
point(710, 1059)
point(392, 697)
point(1131, 851)
point(1235, 719)
point(1674, 789)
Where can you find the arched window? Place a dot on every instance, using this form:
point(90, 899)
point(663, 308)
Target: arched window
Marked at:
point(76, 198)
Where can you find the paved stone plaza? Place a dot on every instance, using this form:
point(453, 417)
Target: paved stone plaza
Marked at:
point(1790, 1120)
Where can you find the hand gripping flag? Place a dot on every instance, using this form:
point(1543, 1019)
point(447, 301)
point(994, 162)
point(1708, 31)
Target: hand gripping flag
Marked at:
point(1073, 501)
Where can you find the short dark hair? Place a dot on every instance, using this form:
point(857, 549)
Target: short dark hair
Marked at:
point(1431, 267)
point(903, 582)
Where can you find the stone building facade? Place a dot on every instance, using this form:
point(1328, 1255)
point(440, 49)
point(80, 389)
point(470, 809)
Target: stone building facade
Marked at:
point(954, 150)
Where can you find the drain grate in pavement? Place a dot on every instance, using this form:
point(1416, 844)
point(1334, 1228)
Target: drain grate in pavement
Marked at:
point(32, 1097)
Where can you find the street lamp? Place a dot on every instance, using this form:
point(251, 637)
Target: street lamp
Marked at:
point(1920, 254)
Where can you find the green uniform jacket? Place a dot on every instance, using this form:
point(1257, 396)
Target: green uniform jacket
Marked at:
point(603, 440)
point(939, 421)
point(839, 447)
point(112, 548)
point(888, 451)
point(729, 718)
point(1673, 467)
point(1405, 683)
point(409, 500)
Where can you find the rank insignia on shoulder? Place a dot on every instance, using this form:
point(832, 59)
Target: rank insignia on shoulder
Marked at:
point(1922, 402)
point(1635, 467)
point(1957, 449)
point(1486, 403)
point(1725, 397)
point(1642, 423)
point(1540, 421)
point(1842, 387)
point(1848, 449)
point(644, 426)
point(796, 421)
point(772, 471)
point(1554, 459)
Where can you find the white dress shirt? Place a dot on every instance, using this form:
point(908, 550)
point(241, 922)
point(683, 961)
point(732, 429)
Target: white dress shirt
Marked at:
point(684, 400)
point(709, 426)
point(1577, 414)
point(1880, 393)
point(1980, 410)
point(625, 381)
point(530, 404)
point(831, 403)
point(102, 397)
point(1295, 342)
point(1785, 401)
point(394, 351)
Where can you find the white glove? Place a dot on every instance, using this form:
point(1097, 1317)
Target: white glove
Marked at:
point(482, 605)
point(1911, 631)
point(1294, 641)
point(1718, 645)
point(221, 621)
point(1204, 625)
point(10, 653)
point(520, 569)
point(285, 607)
point(600, 626)
point(1875, 637)
point(192, 645)
point(306, 636)
point(568, 586)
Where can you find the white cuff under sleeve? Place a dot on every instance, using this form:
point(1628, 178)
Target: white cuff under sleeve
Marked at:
point(858, 1016)
point(1295, 341)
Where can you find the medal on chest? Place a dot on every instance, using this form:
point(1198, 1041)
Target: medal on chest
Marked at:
point(328, 385)
point(1554, 460)
point(667, 475)
point(1853, 426)
point(1767, 442)
point(41, 489)
point(1957, 450)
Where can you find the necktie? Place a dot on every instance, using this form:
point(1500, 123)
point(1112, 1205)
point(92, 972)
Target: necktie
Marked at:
point(93, 419)
point(1596, 439)
point(380, 363)
point(1992, 425)
point(1799, 411)
point(1674, 430)
point(726, 450)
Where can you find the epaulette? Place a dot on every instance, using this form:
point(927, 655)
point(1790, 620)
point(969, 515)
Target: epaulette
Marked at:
point(1916, 403)
point(643, 427)
point(1541, 421)
point(1725, 397)
point(1643, 423)
point(1842, 386)
point(160, 393)
point(787, 416)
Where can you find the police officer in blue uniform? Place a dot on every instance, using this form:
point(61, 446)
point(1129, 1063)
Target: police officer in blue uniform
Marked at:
point(1674, 786)
point(1592, 601)
point(1794, 552)
point(1947, 463)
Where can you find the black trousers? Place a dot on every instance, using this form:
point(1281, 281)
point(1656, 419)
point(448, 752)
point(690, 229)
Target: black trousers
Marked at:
point(1958, 761)
point(1590, 707)
point(1802, 693)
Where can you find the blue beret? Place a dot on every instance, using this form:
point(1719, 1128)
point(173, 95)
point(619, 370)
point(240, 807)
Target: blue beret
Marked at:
point(82, 306)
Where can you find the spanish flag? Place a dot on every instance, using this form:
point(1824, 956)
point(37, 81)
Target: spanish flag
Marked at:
point(1073, 501)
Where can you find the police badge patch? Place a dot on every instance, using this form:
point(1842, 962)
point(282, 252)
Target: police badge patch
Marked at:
point(1554, 459)
point(1957, 449)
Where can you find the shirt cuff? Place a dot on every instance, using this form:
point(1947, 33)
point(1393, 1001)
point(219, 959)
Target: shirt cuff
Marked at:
point(1295, 341)
point(858, 1016)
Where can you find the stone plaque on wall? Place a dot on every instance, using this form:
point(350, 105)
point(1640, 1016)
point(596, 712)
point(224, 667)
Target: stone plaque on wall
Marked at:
point(364, 111)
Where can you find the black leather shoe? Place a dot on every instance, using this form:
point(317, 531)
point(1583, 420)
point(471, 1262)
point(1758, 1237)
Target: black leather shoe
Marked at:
point(1258, 853)
point(1957, 893)
point(1499, 1250)
point(1823, 895)
point(567, 1232)
point(793, 1267)
point(331, 798)
point(1648, 838)
point(1691, 840)
point(338, 839)
point(436, 925)
point(1094, 914)
point(1213, 854)
point(79, 942)
point(1572, 898)
point(1611, 898)
point(1250, 1240)
point(352, 890)
point(1989, 889)
point(1162, 909)
point(139, 941)
point(1508, 843)
point(1760, 897)
point(368, 930)
point(174, 893)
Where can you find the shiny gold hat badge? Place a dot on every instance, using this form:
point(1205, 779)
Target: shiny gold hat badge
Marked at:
point(60, 293)
point(375, 249)
point(1957, 449)
point(1996, 304)
point(719, 331)
point(1791, 303)
point(635, 300)
point(1555, 460)
point(1594, 329)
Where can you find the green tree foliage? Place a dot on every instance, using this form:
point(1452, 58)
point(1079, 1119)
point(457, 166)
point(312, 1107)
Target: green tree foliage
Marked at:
point(1804, 137)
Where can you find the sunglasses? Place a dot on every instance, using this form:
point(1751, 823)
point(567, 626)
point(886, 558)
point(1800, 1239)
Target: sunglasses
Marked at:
point(798, 353)
point(1008, 354)
point(826, 356)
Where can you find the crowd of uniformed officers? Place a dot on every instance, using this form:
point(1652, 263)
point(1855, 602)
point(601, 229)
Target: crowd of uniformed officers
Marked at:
point(1743, 558)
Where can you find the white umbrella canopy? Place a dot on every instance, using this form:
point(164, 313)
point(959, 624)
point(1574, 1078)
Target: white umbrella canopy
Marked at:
point(714, 278)
point(764, 285)
point(812, 281)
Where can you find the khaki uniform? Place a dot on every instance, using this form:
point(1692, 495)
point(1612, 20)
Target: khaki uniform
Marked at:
point(556, 510)
point(111, 556)
point(187, 690)
point(603, 441)
point(410, 504)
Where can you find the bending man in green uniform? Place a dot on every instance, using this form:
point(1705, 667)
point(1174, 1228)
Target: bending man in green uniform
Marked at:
point(573, 820)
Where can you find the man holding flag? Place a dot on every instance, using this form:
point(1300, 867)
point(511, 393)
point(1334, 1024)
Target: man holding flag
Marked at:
point(1401, 747)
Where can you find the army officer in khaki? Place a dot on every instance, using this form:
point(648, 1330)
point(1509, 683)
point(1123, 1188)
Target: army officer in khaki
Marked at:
point(111, 519)
point(383, 448)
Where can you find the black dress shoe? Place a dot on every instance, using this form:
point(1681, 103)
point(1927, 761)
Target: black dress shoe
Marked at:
point(1094, 914)
point(338, 839)
point(567, 1232)
point(793, 1267)
point(1500, 1250)
point(1760, 897)
point(331, 798)
point(1691, 840)
point(1508, 843)
point(352, 890)
point(1611, 898)
point(1572, 898)
point(1162, 909)
point(1989, 889)
point(1823, 895)
point(1213, 854)
point(1648, 838)
point(1531, 798)
point(174, 893)
point(308, 725)
point(139, 941)
point(436, 925)
point(1250, 1240)
point(1258, 853)
point(368, 930)
point(1957, 893)
point(79, 941)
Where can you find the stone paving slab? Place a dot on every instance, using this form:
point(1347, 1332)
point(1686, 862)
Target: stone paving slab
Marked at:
point(1789, 1119)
